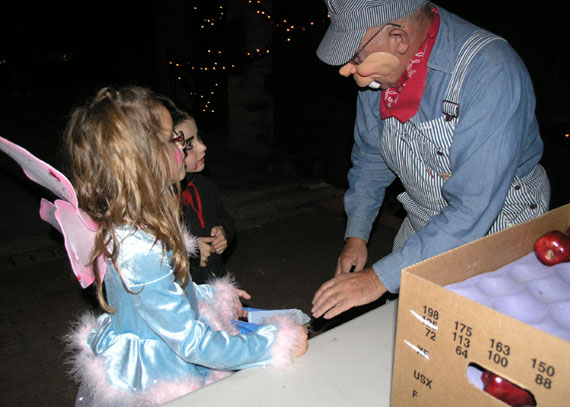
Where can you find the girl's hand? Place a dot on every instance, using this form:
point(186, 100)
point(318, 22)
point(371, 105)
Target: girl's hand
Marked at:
point(220, 242)
point(205, 245)
point(302, 342)
point(240, 312)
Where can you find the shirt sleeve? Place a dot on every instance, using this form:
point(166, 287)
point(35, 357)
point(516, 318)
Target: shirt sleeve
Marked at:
point(203, 291)
point(369, 176)
point(496, 122)
point(165, 308)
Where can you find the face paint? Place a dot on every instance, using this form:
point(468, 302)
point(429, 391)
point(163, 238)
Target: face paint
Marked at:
point(198, 165)
point(178, 156)
point(195, 147)
point(178, 164)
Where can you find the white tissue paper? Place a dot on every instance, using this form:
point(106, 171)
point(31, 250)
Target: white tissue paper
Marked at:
point(258, 316)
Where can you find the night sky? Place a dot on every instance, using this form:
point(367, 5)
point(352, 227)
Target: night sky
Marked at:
point(116, 41)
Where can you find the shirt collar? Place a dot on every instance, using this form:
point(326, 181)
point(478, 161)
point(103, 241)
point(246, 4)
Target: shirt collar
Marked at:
point(442, 56)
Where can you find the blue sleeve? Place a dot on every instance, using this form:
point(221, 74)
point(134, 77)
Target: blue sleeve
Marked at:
point(369, 176)
point(496, 124)
point(163, 305)
point(203, 291)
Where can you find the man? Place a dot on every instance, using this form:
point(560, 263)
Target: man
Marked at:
point(446, 107)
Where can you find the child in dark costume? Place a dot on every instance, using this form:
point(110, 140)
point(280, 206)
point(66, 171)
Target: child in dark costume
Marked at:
point(204, 213)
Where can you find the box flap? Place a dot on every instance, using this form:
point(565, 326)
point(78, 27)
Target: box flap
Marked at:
point(512, 244)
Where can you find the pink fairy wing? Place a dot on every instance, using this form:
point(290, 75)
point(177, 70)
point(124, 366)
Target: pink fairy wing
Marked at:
point(77, 227)
point(40, 171)
point(79, 241)
point(47, 213)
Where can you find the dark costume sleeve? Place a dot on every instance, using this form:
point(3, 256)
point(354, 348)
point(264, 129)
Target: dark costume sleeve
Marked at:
point(223, 219)
point(198, 188)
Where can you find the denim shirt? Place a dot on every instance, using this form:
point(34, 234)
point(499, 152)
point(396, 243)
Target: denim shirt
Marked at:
point(496, 138)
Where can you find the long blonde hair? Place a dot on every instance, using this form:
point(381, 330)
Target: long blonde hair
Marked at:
point(121, 170)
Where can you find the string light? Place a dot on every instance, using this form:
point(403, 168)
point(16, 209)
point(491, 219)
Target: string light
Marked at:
point(282, 23)
point(208, 22)
point(215, 63)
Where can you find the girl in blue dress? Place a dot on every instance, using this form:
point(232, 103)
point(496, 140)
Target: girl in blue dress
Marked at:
point(160, 336)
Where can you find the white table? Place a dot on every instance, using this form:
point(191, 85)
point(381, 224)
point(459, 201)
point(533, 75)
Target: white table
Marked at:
point(349, 365)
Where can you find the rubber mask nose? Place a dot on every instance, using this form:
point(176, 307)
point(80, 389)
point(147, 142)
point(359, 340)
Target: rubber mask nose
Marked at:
point(375, 64)
point(347, 69)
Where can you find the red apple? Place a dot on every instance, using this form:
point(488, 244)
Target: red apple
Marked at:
point(505, 391)
point(553, 247)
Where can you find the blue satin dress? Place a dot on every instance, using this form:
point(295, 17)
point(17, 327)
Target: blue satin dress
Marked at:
point(163, 340)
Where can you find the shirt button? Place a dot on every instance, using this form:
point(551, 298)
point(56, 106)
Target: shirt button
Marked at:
point(517, 187)
point(533, 206)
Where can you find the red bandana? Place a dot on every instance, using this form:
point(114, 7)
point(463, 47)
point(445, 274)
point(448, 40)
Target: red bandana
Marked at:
point(403, 100)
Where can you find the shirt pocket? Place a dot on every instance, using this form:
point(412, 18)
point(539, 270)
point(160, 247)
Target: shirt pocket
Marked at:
point(434, 142)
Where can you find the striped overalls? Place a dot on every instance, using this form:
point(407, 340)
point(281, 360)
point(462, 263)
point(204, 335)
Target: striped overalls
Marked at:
point(419, 154)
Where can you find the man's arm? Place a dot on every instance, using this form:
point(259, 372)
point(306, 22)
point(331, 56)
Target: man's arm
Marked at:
point(368, 179)
point(369, 176)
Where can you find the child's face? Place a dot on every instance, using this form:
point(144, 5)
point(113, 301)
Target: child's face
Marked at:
point(195, 148)
point(177, 153)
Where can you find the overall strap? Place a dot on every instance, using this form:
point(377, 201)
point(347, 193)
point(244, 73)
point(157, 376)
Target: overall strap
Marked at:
point(470, 48)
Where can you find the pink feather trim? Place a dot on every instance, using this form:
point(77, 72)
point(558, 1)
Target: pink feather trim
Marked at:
point(216, 375)
point(286, 339)
point(190, 242)
point(219, 311)
point(89, 370)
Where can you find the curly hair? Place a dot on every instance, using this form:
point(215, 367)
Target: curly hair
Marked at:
point(121, 168)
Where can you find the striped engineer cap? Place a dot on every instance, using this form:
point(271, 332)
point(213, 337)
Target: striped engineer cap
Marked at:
point(351, 18)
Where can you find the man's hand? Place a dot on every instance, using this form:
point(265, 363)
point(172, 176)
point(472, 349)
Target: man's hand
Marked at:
point(345, 291)
point(354, 254)
point(220, 242)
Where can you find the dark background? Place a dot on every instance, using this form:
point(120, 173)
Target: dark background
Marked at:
point(53, 55)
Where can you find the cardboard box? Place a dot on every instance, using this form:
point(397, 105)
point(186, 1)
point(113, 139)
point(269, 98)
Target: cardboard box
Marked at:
point(439, 333)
